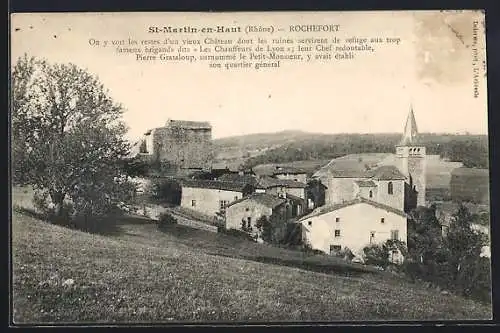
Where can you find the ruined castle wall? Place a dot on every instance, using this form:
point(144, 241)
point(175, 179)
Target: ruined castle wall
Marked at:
point(184, 147)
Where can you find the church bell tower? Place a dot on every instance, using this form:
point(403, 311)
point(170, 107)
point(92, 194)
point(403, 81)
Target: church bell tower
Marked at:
point(410, 154)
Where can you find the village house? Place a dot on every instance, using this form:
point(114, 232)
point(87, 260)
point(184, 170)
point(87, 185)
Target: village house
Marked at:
point(276, 186)
point(240, 178)
point(244, 213)
point(212, 196)
point(354, 225)
point(290, 173)
point(291, 189)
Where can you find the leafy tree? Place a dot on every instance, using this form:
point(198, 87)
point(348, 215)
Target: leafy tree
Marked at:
point(453, 262)
point(265, 228)
point(424, 234)
point(376, 254)
point(316, 191)
point(135, 167)
point(67, 136)
point(463, 245)
point(293, 234)
point(167, 190)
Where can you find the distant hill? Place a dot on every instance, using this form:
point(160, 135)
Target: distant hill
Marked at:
point(471, 150)
point(262, 139)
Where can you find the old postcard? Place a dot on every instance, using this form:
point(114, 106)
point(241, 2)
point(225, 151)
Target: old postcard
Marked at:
point(249, 167)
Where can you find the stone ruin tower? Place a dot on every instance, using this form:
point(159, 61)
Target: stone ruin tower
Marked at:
point(184, 144)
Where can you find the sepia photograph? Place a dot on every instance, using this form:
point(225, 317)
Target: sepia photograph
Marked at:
point(249, 167)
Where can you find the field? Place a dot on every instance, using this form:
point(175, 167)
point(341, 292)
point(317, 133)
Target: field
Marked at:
point(139, 274)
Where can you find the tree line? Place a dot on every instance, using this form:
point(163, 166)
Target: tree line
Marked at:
point(471, 150)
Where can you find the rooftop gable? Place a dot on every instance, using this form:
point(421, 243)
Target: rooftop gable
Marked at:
point(265, 199)
point(234, 177)
point(387, 172)
point(331, 208)
point(269, 182)
point(216, 185)
point(281, 170)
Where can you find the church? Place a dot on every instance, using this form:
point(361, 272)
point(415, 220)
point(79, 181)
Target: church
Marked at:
point(368, 196)
point(397, 180)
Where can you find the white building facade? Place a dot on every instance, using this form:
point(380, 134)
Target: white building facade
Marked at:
point(354, 225)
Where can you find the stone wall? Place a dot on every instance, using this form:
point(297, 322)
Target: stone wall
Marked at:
point(185, 146)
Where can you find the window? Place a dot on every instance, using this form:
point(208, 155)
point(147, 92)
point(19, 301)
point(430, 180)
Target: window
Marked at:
point(337, 219)
point(395, 234)
point(249, 222)
point(310, 223)
point(372, 237)
point(337, 233)
point(247, 209)
point(382, 220)
point(193, 203)
point(335, 248)
point(390, 188)
point(223, 204)
point(235, 198)
point(370, 194)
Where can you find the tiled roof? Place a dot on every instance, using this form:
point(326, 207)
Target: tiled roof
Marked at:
point(387, 172)
point(234, 177)
point(344, 169)
point(365, 183)
point(295, 198)
point(265, 199)
point(331, 208)
point(268, 182)
point(280, 170)
point(215, 184)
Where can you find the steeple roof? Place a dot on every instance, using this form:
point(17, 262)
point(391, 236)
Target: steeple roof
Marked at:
point(410, 132)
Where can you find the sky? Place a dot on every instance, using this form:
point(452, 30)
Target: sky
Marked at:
point(431, 70)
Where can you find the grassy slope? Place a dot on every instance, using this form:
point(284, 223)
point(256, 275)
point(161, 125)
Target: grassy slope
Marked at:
point(133, 276)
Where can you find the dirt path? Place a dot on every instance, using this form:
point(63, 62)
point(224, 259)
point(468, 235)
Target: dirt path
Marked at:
point(154, 211)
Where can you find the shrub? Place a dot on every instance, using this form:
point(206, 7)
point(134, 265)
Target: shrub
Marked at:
point(165, 220)
point(168, 191)
point(239, 234)
point(293, 235)
point(346, 254)
point(307, 248)
point(265, 229)
point(376, 255)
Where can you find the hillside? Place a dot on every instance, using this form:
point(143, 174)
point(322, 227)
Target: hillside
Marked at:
point(262, 139)
point(471, 150)
point(141, 274)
